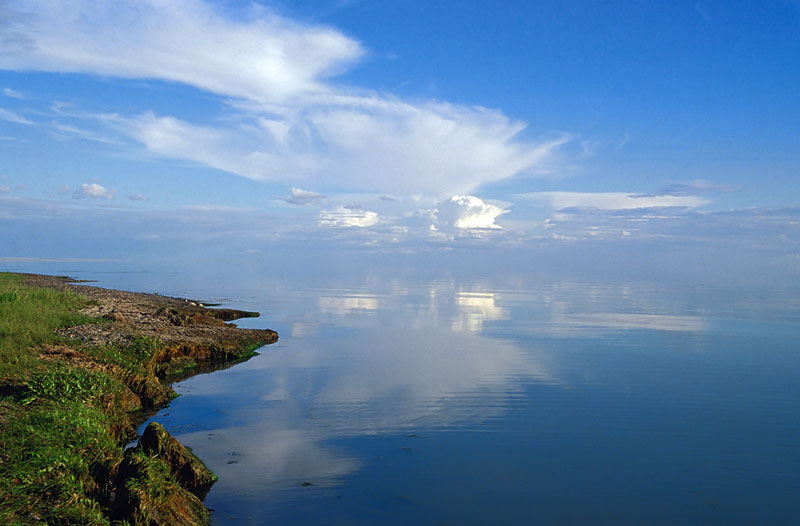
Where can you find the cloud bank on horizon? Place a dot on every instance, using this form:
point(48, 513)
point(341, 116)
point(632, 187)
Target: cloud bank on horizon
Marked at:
point(287, 120)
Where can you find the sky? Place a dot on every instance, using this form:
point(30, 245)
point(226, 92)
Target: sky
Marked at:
point(395, 126)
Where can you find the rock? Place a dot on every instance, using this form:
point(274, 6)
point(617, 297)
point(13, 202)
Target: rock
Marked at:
point(129, 401)
point(147, 494)
point(202, 319)
point(150, 391)
point(189, 471)
point(161, 482)
point(115, 316)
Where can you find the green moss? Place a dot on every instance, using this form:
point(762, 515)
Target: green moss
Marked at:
point(177, 367)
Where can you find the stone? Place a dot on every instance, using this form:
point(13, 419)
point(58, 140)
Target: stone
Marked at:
point(160, 482)
point(189, 471)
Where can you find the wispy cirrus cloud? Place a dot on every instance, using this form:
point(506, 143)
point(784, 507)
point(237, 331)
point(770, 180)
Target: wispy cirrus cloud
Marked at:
point(266, 58)
point(286, 120)
point(613, 200)
point(14, 94)
point(11, 116)
point(698, 186)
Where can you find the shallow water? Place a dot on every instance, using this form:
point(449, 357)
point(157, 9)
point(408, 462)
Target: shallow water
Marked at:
point(513, 400)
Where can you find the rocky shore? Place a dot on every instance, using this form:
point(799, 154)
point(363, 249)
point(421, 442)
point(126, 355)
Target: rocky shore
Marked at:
point(144, 342)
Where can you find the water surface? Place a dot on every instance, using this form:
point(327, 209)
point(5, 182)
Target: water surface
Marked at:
point(395, 401)
point(441, 398)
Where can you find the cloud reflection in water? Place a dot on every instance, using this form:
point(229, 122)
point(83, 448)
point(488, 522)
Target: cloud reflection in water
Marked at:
point(422, 361)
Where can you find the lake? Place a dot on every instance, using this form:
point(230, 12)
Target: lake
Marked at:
point(397, 397)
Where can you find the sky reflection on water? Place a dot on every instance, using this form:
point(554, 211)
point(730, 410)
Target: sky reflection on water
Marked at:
point(446, 401)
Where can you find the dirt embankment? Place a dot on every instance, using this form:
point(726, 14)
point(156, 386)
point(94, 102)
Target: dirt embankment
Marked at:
point(186, 327)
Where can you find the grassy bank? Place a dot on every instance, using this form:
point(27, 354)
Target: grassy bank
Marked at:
point(67, 407)
point(28, 318)
point(54, 430)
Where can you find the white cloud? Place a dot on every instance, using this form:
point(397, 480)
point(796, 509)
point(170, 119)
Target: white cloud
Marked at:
point(286, 122)
point(347, 217)
point(137, 197)
point(14, 94)
point(93, 191)
point(376, 145)
point(614, 200)
point(265, 58)
point(467, 212)
point(5, 189)
point(10, 116)
point(303, 197)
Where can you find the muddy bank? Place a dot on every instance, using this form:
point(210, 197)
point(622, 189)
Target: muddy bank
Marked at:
point(145, 342)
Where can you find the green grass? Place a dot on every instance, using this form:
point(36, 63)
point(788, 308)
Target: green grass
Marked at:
point(155, 482)
point(63, 423)
point(28, 317)
point(139, 357)
point(50, 451)
point(65, 383)
point(55, 424)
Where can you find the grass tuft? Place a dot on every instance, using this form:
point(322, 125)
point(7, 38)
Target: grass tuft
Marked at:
point(61, 382)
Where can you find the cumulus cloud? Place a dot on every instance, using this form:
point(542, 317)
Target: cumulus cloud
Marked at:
point(302, 197)
point(467, 212)
point(347, 217)
point(137, 197)
point(614, 200)
point(93, 191)
point(286, 121)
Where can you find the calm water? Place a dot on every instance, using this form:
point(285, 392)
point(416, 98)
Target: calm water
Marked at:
point(514, 400)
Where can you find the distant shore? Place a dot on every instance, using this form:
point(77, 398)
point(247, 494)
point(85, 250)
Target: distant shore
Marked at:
point(82, 367)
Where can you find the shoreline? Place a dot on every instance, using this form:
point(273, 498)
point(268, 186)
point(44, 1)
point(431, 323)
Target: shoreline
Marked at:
point(125, 355)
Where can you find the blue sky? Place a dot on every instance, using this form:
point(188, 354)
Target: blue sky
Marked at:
point(402, 126)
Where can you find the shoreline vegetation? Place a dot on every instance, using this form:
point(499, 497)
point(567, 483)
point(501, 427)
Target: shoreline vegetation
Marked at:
point(80, 368)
